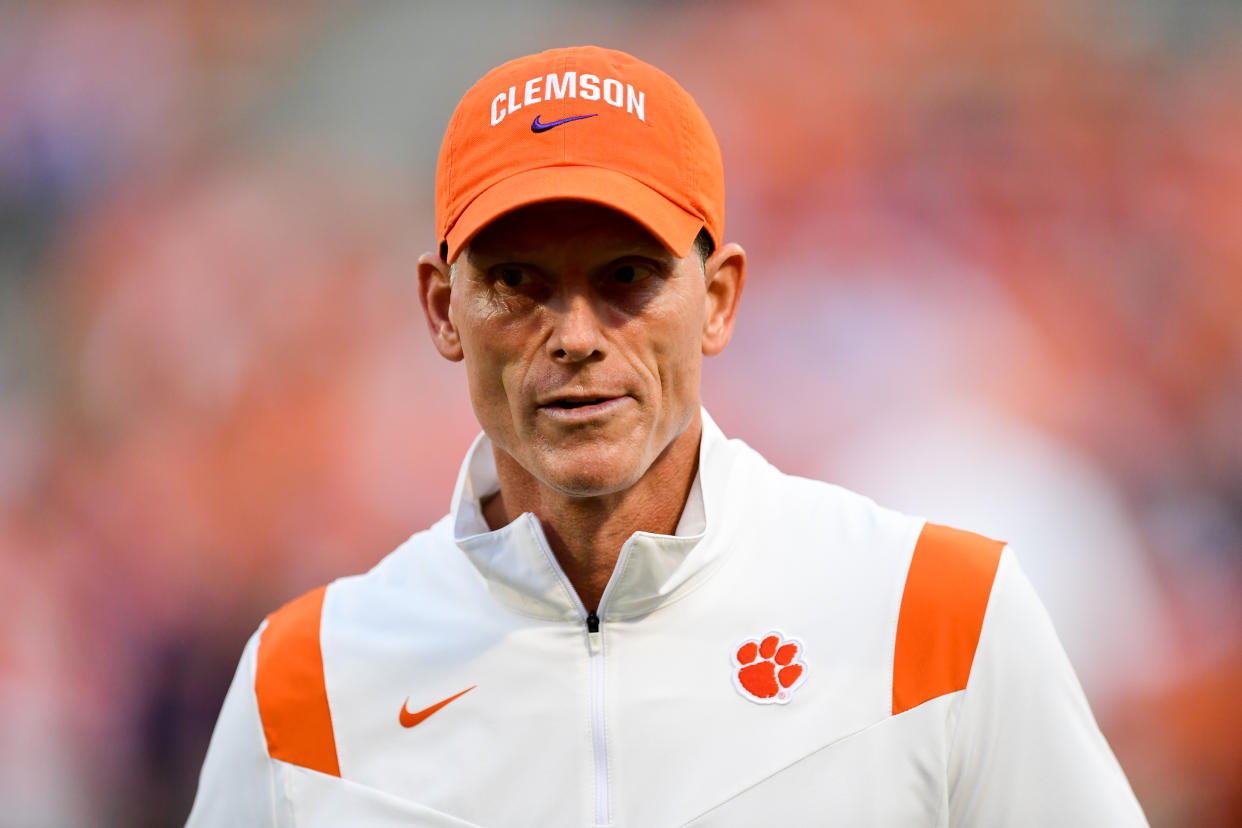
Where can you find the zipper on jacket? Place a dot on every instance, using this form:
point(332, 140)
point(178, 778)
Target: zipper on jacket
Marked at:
point(593, 634)
point(599, 741)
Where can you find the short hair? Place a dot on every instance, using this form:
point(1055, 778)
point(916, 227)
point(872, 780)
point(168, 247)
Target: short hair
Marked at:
point(704, 246)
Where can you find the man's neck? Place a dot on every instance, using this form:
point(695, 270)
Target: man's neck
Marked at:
point(586, 533)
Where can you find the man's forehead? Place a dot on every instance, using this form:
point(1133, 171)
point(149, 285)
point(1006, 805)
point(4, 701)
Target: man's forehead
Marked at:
point(564, 224)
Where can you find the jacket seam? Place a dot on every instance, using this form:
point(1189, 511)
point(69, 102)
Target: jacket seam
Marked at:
point(803, 758)
point(268, 761)
point(961, 713)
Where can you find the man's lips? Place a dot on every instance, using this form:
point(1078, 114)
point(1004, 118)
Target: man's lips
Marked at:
point(577, 399)
point(579, 402)
point(575, 406)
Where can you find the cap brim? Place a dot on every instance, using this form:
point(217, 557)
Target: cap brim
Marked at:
point(675, 228)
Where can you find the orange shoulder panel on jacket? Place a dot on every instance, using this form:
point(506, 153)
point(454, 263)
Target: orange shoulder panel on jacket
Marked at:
point(288, 681)
point(942, 608)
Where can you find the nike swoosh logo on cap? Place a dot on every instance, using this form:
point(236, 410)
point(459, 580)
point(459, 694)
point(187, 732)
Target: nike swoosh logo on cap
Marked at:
point(409, 719)
point(539, 126)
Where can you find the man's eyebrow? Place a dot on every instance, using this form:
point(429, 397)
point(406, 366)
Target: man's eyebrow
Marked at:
point(651, 251)
point(646, 248)
point(479, 261)
point(485, 258)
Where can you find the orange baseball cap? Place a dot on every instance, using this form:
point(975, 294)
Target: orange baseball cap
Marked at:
point(581, 123)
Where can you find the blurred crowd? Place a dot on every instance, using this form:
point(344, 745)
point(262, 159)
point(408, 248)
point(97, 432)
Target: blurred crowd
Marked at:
point(996, 278)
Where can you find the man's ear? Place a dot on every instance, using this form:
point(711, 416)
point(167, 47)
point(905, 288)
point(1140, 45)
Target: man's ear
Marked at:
point(435, 290)
point(725, 273)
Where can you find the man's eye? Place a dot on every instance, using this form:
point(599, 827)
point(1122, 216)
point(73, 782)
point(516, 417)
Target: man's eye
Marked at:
point(628, 274)
point(511, 276)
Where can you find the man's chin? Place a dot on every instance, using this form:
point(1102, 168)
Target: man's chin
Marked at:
point(588, 486)
point(590, 476)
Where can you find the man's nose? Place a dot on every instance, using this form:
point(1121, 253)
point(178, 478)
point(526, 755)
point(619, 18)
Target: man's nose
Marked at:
point(577, 335)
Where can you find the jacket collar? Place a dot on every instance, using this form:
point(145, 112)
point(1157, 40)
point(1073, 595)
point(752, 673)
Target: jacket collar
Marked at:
point(521, 571)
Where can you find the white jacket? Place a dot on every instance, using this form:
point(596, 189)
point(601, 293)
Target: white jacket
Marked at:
point(794, 655)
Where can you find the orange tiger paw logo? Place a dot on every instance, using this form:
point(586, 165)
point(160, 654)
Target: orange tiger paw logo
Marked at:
point(768, 670)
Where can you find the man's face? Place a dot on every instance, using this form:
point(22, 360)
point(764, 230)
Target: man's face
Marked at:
point(583, 339)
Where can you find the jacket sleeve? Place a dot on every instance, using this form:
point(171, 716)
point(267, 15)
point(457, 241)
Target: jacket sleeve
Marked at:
point(1026, 750)
point(235, 786)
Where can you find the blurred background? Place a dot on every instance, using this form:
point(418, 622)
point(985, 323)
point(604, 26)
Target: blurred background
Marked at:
point(996, 280)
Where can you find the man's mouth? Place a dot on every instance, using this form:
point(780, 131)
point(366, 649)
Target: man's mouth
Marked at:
point(579, 403)
point(575, 408)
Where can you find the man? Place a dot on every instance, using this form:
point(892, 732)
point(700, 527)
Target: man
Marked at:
point(627, 619)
